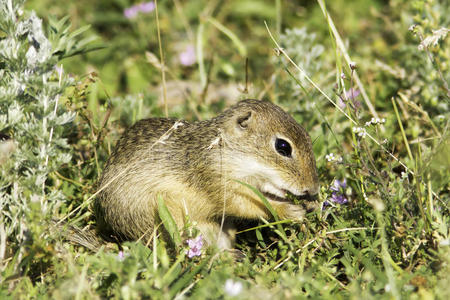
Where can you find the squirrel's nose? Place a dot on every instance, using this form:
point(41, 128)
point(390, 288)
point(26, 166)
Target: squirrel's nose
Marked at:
point(309, 193)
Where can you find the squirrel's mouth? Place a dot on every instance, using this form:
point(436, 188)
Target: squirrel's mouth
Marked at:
point(277, 194)
point(306, 201)
point(289, 197)
point(275, 198)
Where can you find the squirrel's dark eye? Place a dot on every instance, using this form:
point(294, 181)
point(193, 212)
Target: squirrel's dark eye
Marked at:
point(283, 147)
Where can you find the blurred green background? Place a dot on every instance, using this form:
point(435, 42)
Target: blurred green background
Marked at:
point(374, 31)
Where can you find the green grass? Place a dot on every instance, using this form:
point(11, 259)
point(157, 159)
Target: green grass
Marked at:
point(390, 240)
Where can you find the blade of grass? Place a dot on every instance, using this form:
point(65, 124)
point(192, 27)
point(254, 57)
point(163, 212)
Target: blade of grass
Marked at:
point(408, 149)
point(230, 34)
point(405, 140)
point(174, 270)
point(284, 260)
point(168, 221)
point(155, 250)
point(279, 10)
point(200, 56)
point(386, 257)
point(265, 225)
point(186, 278)
point(263, 199)
point(269, 207)
point(420, 110)
point(161, 58)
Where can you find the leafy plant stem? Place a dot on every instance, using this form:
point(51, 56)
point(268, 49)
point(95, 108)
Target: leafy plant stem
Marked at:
point(161, 57)
point(347, 57)
point(400, 124)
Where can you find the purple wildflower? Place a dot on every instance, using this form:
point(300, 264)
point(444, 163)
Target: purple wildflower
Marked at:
point(146, 7)
point(352, 94)
point(341, 103)
point(338, 185)
point(338, 195)
point(195, 246)
point(187, 57)
point(338, 198)
point(132, 11)
point(120, 256)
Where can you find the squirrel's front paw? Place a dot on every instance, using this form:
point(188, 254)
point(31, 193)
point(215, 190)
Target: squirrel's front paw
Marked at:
point(291, 211)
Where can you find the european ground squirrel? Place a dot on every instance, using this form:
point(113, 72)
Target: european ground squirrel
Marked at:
point(196, 168)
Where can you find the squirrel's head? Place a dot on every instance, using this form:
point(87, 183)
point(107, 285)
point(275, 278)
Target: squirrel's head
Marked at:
point(266, 147)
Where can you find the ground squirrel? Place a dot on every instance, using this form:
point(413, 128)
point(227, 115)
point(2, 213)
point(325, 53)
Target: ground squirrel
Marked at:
point(196, 168)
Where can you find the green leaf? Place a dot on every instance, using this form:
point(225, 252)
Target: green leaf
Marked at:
point(236, 41)
point(175, 270)
point(269, 207)
point(79, 31)
point(263, 199)
point(168, 221)
point(186, 278)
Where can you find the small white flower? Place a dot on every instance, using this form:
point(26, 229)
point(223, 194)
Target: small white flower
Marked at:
point(365, 196)
point(360, 131)
point(433, 40)
point(352, 65)
point(330, 157)
point(233, 288)
point(375, 121)
point(343, 75)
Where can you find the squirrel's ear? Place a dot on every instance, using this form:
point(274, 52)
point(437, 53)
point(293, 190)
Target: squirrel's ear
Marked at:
point(244, 120)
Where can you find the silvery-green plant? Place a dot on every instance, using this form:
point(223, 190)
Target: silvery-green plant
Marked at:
point(34, 120)
point(304, 49)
